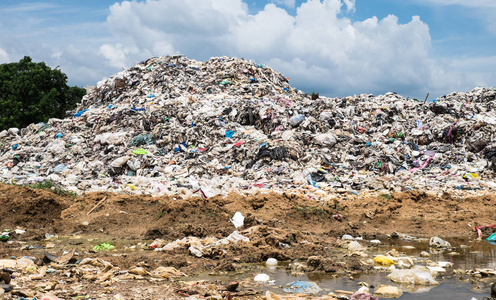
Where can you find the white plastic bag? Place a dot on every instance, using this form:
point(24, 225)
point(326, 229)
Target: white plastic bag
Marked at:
point(119, 162)
point(412, 276)
point(235, 237)
point(238, 219)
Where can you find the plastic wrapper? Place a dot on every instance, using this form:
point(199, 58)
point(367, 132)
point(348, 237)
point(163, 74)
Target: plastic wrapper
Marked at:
point(412, 276)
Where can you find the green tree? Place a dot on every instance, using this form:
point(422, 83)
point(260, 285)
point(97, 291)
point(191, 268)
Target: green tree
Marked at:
point(33, 92)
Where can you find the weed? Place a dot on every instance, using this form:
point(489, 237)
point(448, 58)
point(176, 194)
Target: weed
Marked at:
point(314, 95)
point(160, 214)
point(51, 185)
point(385, 196)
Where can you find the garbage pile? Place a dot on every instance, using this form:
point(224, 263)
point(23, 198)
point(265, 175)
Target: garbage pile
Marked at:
point(176, 126)
point(30, 277)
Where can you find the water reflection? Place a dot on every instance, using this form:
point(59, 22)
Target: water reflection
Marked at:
point(470, 255)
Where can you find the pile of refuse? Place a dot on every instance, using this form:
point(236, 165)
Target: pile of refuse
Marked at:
point(176, 126)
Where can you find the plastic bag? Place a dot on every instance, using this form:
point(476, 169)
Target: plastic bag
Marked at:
point(296, 120)
point(60, 168)
point(134, 164)
point(302, 287)
point(492, 238)
point(261, 277)
point(355, 246)
point(119, 162)
point(238, 219)
point(383, 260)
point(140, 151)
point(439, 242)
point(412, 276)
point(235, 237)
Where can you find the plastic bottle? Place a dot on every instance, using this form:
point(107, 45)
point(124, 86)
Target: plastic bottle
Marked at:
point(296, 120)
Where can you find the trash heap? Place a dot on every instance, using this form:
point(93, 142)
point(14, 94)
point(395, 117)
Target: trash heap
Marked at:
point(176, 126)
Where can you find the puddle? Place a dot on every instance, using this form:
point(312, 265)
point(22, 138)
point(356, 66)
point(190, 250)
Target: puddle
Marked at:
point(472, 255)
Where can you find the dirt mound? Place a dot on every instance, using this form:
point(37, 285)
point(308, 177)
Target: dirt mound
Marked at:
point(31, 208)
point(145, 217)
point(281, 226)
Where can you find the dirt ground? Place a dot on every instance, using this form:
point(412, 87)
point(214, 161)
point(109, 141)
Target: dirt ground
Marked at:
point(285, 227)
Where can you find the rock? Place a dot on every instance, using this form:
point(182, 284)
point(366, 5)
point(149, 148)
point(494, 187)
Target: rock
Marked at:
point(232, 286)
point(388, 291)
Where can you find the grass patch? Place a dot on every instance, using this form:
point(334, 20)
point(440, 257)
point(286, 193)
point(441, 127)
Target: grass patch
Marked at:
point(385, 196)
point(51, 185)
point(160, 214)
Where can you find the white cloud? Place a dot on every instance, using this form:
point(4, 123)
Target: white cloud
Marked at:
point(4, 56)
point(117, 53)
point(29, 7)
point(317, 47)
point(287, 3)
point(350, 4)
point(466, 3)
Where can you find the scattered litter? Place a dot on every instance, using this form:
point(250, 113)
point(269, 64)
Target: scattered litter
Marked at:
point(302, 287)
point(383, 260)
point(271, 262)
point(261, 277)
point(63, 259)
point(412, 276)
point(105, 246)
point(238, 219)
point(439, 243)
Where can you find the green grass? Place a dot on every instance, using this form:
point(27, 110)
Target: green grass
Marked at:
point(51, 185)
point(160, 214)
point(385, 196)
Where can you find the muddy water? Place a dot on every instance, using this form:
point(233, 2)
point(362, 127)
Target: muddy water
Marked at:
point(472, 255)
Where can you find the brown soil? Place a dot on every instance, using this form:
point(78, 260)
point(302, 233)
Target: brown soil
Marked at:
point(286, 227)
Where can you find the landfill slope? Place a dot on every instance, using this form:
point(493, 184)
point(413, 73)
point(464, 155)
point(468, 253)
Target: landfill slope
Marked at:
point(166, 157)
point(176, 126)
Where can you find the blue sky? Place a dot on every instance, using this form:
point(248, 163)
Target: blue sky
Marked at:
point(336, 47)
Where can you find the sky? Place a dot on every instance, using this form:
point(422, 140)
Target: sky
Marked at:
point(334, 47)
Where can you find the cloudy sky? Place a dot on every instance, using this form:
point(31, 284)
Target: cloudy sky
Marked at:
point(335, 47)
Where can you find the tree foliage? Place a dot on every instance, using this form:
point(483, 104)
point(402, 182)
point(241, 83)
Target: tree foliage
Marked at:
point(33, 92)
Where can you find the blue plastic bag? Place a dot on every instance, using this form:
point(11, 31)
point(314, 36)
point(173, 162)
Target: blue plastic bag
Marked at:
point(78, 114)
point(302, 287)
point(492, 238)
point(229, 134)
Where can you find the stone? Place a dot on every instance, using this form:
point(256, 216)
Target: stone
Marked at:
point(388, 291)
